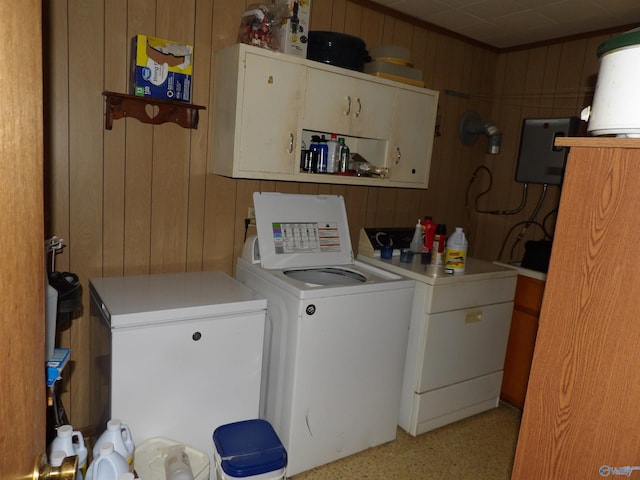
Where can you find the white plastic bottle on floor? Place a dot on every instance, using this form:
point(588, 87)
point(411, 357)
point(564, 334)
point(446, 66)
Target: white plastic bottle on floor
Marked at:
point(455, 256)
point(71, 443)
point(177, 465)
point(119, 435)
point(108, 464)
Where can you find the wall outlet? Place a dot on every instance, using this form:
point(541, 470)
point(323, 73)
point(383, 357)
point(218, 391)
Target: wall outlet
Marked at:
point(251, 213)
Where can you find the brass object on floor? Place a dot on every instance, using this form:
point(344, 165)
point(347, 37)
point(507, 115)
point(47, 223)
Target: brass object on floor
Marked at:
point(43, 471)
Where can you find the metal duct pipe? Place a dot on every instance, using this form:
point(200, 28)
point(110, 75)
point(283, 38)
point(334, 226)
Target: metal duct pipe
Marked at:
point(471, 126)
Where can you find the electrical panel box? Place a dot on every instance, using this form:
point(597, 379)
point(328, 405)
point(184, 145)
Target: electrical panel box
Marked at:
point(539, 160)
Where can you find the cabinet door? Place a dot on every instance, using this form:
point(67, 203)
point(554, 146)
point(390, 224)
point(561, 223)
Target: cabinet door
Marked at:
point(347, 106)
point(271, 111)
point(412, 139)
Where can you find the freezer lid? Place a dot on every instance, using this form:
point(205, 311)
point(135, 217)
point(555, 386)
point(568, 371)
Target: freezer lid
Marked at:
point(302, 230)
point(160, 298)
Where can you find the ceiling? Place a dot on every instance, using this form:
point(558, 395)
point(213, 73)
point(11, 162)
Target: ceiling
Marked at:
point(510, 23)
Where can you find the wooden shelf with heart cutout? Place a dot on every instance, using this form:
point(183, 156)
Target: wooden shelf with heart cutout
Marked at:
point(149, 110)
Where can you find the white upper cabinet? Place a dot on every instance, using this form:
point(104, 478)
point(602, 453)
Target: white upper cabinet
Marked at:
point(258, 102)
point(267, 106)
point(351, 106)
point(411, 141)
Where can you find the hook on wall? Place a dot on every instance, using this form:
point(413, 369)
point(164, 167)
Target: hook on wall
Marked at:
point(471, 126)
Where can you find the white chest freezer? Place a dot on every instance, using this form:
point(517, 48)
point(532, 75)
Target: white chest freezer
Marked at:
point(175, 355)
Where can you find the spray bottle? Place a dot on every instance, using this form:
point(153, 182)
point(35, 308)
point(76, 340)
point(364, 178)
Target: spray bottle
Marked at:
point(417, 242)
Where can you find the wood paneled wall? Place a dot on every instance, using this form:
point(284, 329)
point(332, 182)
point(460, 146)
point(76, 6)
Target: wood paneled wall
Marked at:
point(137, 199)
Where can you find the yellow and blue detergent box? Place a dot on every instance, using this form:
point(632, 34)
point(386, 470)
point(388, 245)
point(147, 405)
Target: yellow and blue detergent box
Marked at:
point(161, 68)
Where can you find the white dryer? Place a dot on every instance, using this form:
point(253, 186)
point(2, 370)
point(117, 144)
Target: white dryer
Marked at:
point(336, 334)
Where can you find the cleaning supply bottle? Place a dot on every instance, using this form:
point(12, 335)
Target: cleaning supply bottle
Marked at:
point(71, 443)
point(417, 241)
point(456, 253)
point(439, 244)
point(119, 435)
point(429, 231)
point(108, 464)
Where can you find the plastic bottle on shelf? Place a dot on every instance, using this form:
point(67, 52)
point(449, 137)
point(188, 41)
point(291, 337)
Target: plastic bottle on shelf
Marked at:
point(119, 435)
point(417, 241)
point(108, 464)
point(71, 443)
point(323, 154)
point(456, 253)
point(345, 156)
point(333, 154)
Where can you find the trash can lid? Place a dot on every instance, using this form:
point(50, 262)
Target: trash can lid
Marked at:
point(627, 39)
point(249, 447)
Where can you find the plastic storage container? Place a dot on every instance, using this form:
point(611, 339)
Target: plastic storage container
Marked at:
point(456, 253)
point(249, 449)
point(151, 455)
point(120, 436)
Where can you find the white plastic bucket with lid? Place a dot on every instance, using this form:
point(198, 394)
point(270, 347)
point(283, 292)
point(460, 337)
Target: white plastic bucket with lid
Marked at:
point(615, 109)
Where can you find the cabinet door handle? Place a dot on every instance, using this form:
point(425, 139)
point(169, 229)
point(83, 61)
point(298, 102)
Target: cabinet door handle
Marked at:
point(359, 107)
point(348, 112)
point(398, 155)
point(473, 317)
point(291, 142)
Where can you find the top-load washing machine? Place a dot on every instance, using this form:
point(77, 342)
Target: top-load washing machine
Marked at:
point(336, 334)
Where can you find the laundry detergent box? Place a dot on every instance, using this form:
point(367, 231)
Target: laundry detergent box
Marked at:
point(293, 35)
point(161, 68)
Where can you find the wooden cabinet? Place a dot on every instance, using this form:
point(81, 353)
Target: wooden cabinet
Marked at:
point(267, 106)
point(581, 417)
point(522, 339)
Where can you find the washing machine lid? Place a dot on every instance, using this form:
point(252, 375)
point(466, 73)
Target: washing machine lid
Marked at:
point(301, 230)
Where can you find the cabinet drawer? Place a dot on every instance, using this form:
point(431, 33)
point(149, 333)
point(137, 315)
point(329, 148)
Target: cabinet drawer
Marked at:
point(529, 292)
point(446, 405)
point(464, 344)
point(467, 294)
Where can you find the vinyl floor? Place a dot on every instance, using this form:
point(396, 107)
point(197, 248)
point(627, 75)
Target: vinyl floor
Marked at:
point(481, 447)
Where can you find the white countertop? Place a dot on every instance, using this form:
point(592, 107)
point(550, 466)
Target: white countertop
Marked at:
point(475, 269)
